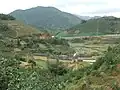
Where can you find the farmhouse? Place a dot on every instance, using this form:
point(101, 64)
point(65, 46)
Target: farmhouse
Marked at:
point(44, 36)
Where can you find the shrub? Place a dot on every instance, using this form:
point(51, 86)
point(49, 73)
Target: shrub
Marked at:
point(3, 27)
point(6, 17)
point(115, 86)
point(95, 73)
point(57, 69)
point(8, 72)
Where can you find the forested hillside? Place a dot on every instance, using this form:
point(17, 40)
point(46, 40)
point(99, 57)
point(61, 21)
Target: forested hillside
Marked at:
point(103, 25)
point(46, 17)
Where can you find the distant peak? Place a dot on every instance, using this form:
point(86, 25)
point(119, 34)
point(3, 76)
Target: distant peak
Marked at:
point(43, 7)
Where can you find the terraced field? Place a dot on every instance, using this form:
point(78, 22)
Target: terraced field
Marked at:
point(92, 48)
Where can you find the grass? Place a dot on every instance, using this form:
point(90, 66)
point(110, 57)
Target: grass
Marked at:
point(91, 26)
point(88, 48)
point(41, 63)
point(94, 82)
point(40, 58)
point(90, 51)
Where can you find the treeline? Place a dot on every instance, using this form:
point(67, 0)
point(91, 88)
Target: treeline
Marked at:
point(6, 17)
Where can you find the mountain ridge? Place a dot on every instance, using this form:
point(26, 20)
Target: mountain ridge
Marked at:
point(46, 17)
point(99, 26)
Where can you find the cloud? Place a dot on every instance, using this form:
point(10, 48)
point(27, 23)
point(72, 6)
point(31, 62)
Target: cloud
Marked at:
point(111, 10)
point(6, 6)
point(79, 7)
point(79, 3)
point(92, 7)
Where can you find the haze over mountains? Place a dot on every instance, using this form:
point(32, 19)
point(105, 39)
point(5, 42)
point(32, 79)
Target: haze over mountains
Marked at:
point(88, 17)
point(46, 17)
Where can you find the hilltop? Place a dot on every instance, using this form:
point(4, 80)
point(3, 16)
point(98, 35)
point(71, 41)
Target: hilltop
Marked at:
point(17, 28)
point(46, 17)
point(9, 27)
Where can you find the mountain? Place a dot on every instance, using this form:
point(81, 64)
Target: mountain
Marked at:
point(46, 17)
point(103, 25)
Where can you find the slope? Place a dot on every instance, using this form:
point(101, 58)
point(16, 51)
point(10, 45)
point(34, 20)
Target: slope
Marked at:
point(102, 25)
point(46, 17)
point(16, 28)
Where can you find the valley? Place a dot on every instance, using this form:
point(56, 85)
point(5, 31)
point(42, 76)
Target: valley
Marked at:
point(70, 54)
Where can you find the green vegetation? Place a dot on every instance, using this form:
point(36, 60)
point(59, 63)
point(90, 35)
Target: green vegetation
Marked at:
point(13, 77)
point(6, 17)
point(102, 75)
point(20, 28)
point(29, 62)
point(13, 28)
point(103, 25)
point(46, 18)
point(20, 71)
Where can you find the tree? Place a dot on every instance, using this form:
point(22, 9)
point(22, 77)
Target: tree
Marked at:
point(8, 72)
point(6, 17)
point(3, 27)
point(83, 21)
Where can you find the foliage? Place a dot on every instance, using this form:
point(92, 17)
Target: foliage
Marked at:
point(57, 68)
point(56, 76)
point(3, 27)
point(13, 77)
point(109, 61)
point(6, 17)
point(83, 21)
point(103, 25)
point(52, 45)
point(115, 86)
point(8, 72)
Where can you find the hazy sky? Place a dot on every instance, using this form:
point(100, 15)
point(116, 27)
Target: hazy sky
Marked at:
point(79, 7)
